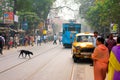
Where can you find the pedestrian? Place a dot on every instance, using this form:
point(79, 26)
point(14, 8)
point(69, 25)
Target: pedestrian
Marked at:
point(94, 38)
point(44, 38)
point(32, 40)
point(2, 42)
point(110, 42)
point(60, 39)
point(29, 40)
point(26, 40)
point(7, 39)
point(100, 58)
point(55, 39)
point(114, 62)
point(38, 40)
point(16, 41)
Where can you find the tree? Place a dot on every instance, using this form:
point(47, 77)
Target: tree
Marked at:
point(33, 10)
point(100, 13)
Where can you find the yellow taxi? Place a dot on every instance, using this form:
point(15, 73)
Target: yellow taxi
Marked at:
point(82, 47)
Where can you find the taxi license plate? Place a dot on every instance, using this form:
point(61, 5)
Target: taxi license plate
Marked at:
point(86, 56)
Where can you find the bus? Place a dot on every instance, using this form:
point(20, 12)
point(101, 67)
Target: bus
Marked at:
point(69, 32)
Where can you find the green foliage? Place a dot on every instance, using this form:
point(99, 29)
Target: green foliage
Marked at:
point(101, 13)
point(40, 7)
point(33, 10)
point(24, 5)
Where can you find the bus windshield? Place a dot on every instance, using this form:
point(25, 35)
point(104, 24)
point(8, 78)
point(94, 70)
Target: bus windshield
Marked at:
point(71, 28)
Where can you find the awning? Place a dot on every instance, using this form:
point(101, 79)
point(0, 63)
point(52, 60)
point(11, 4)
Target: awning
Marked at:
point(20, 30)
point(4, 29)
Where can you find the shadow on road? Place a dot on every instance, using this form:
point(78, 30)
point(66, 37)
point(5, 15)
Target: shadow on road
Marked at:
point(84, 61)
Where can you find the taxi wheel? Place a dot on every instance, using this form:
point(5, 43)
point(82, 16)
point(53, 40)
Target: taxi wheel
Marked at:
point(75, 59)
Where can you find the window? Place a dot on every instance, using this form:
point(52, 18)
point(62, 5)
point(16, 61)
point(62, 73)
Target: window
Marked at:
point(71, 28)
point(64, 29)
point(78, 29)
point(84, 38)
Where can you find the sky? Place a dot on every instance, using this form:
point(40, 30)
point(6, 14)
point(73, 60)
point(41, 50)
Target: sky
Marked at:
point(66, 13)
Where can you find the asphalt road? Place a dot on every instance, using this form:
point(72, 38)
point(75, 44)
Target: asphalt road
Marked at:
point(49, 62)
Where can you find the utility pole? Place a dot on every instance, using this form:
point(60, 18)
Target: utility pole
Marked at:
point(14, 11)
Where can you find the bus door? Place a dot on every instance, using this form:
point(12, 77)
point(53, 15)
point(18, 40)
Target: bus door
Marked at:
point(72, 31)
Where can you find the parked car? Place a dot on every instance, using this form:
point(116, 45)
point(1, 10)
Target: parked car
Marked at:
point(82, 46)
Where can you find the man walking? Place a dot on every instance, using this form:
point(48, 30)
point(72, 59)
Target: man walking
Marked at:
point(55, 39)
point(110, 43)
point(38, 40)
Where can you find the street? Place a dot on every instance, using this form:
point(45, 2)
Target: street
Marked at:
point(90, 26)
point(49, 62)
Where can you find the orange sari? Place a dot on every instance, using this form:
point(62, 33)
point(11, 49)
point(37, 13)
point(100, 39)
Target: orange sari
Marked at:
point(100, 58)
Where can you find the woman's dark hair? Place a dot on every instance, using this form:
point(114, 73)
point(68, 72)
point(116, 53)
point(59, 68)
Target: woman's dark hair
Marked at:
point(95, 32)
point(101, 39)
point(118, 39)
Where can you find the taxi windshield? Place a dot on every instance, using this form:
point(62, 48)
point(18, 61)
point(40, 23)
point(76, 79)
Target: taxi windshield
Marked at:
point(84, 38)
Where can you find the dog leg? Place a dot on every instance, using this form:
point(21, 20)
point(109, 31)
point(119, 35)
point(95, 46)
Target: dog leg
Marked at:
point(29, 56)
point(25, 55)
point(20, 54)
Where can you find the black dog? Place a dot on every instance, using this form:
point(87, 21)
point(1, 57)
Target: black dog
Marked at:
point(26, 52)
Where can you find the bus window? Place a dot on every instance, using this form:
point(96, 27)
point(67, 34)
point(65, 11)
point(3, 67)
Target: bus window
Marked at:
point(78, 29)
point(64, 29)
point(71, 28)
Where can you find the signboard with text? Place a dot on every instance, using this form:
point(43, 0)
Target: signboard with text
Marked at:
point(8, 18)
point(114, 28)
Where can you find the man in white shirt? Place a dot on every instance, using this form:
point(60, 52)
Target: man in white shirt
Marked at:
point(38, 40)
point(55, 39)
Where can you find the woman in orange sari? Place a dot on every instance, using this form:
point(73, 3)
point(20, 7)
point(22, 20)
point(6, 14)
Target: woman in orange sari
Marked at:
point(100, 58)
